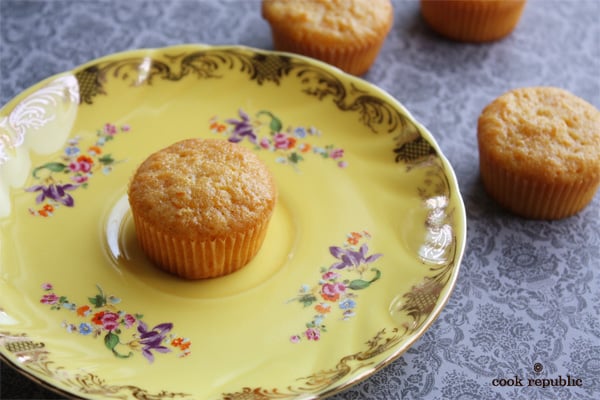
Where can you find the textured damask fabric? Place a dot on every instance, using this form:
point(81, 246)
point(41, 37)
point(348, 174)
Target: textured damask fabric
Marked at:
point(527, 300)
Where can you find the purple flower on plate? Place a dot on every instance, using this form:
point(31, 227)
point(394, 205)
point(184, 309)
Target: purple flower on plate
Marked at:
point(54, 192)
point(242, 128)
point(152, 339)
point(351, 258)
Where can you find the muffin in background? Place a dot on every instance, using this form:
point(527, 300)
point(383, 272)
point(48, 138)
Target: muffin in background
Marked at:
point(201, 207)
point(345, 33)
point(539, 152)
point(472, 20)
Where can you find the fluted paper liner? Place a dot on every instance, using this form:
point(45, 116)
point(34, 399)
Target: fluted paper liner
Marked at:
point(472, 20)
point(355, 60)
point(535, 199)
point(197, 259)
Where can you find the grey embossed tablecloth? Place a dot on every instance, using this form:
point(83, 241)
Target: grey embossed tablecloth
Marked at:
point(527, 301)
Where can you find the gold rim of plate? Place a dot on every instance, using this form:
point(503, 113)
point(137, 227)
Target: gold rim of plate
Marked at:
point(361, 255)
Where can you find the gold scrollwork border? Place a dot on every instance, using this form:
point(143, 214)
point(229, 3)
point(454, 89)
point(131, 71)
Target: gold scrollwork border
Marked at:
point(34, 357)
point(375, 112)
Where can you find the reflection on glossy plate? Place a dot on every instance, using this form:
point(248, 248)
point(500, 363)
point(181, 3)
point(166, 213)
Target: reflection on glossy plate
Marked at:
point(361, 255)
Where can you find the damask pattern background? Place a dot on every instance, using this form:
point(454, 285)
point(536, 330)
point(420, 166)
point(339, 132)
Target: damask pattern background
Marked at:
point(528, 291)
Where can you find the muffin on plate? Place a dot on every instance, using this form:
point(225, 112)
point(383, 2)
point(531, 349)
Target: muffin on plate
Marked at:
point(345, 33)
point(472, 20)
point(201, 207)
point(539, 152)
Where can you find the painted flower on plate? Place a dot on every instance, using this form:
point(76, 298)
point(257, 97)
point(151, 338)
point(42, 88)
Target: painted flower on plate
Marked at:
point(73, 166)
point(339, 284)
point(124, 333)
point(267, 132)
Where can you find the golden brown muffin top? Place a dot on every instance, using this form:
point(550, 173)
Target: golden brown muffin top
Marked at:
point(206, 187)
point(330, 21)
point(542, 132)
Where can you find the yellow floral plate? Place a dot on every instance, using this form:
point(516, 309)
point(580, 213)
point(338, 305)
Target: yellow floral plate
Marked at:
point(361, 255)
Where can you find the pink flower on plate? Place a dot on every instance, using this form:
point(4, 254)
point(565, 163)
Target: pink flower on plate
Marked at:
point(110, 321)
point(47, 286)
point(110, 129)
point(334, 288)
point(265, 143)
point(129, 320)
point(82, 164)
point(332, 291)
point(80, 178)
point(74, 167)
point(295, 339)
point(49, 299)
point(283, 141)
point(312, 334)
point(330, 275)
point(336, 153)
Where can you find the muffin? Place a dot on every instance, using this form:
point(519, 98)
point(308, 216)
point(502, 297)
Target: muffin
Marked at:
point(539, 152)
point(472, 20)
point(345, 33)
point(201, 207)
